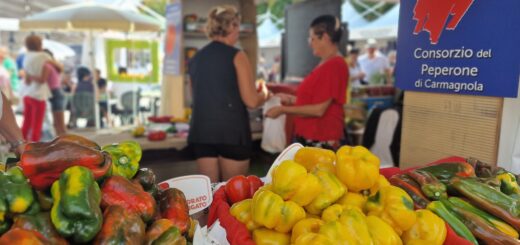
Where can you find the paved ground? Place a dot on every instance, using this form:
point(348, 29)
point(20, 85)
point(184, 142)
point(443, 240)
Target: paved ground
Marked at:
point(172, 163)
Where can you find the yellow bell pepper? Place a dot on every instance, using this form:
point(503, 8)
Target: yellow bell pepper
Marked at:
point(305, 226)
point(313, 239)
point(357, 168)
point(337, 233)
point(292, 182)
point(353, 199)
point(269, 209)
point(381, 232)
point(291, 214)
point(314, 158)
point(381, 182)
point(508, 184)
point(266, 208)
point(355, 222)
point(429, 229)
point(265, 236)
point(313, 216)
point(394, 206)
point(333, 189)
point(242, 212)
point(332, 213)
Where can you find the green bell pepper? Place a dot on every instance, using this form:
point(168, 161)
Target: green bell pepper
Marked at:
point(75, 212)
point(16, 196)
point(125, 158)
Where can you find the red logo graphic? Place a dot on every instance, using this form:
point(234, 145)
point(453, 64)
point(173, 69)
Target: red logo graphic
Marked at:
point(432, 15)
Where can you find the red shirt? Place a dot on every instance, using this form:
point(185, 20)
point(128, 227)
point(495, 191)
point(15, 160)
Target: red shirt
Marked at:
point(327, 81)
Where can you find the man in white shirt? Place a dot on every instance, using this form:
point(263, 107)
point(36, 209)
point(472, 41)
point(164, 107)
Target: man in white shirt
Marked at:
point(375, 65)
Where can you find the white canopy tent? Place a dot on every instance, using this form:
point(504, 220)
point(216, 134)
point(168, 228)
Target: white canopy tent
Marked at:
point(385, 27)
point(270, 36)
point(90, 16)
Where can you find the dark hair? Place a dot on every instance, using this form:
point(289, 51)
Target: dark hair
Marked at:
point(82, 72)
point(33, 43)
point(353, 51)
point(327, 24)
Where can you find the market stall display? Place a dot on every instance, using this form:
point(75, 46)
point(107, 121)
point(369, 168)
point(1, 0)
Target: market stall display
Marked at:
point(71, 190)
point(316, 196)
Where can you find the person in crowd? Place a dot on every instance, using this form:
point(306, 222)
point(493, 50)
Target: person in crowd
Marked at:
point(318, 104)
point(37, 91)
point(9, 128)
point(223, 88)
point(84, 81)
point(392, 59)
point(103, 97)
point(67, 86)
point(356, 74)
point(52, 78)
point(5, 80)
point(84, 85)
point(274, 72)
point(10, 65)
point(375, 65)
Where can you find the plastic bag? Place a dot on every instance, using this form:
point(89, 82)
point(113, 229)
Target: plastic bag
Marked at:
point(273, 136)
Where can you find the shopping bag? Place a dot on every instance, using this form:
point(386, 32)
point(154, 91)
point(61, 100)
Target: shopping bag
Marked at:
point(273, 136)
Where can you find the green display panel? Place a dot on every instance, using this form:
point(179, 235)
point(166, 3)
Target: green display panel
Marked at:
point(132, 61)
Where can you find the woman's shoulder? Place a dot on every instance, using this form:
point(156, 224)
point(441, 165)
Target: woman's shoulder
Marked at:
point(336, 63)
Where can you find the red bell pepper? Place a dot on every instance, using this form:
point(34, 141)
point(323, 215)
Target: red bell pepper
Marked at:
point(237, 233)
point(120, 227)
point(156, 136)
point(240, 187)
point(174, 207)
point(72, 138)
point(42, 165)
point(118, 190)
point(21, 236)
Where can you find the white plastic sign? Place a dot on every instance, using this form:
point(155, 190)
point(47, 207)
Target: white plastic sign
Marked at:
point(196, 188)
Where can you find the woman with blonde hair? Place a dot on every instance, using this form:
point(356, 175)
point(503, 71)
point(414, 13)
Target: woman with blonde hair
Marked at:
point(223, 88)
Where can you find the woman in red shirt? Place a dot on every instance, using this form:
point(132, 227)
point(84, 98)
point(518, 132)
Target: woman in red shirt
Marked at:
point(318, 103)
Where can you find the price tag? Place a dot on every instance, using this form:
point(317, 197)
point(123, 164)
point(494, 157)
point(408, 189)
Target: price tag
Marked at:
point(196, 188)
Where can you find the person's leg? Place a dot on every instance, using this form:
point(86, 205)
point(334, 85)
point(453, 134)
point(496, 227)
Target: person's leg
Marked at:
point(59, 122)
point(230, 167)
point(233, 160)
point(39, 115)
point(209, 166)
point(207, 161)
point(58, 111)
point(27, 119)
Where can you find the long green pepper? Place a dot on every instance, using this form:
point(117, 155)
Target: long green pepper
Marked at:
point(460, 228)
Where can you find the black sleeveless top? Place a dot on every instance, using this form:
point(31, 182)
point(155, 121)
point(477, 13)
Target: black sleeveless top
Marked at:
point(219, 116)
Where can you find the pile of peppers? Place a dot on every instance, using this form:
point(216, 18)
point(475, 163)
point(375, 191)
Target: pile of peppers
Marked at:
point(326, 197)
point(72, 191)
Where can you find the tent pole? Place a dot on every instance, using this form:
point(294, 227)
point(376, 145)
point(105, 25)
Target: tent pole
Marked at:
point(94, 83)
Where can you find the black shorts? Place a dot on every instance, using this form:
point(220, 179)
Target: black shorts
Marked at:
point(234, 152)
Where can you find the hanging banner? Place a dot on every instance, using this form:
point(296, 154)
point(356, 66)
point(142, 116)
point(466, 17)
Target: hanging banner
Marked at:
point(459, 46)
point(172, 44)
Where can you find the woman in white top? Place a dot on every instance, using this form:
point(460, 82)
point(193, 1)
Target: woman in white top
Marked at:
point(37, 92)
